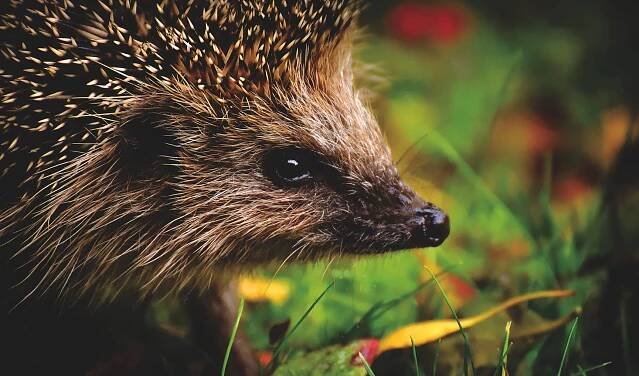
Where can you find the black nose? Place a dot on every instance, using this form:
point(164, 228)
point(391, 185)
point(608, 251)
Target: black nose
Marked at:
point(429, 226)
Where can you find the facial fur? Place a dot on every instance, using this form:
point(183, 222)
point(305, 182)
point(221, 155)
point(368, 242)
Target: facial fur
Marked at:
point(146, 147)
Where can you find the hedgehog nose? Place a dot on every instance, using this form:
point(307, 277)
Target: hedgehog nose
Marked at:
point(429, 226)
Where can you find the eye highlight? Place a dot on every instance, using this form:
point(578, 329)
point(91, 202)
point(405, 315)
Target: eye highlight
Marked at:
point(289, 167)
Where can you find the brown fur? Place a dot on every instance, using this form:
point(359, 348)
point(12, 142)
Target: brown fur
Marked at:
point(161, 186)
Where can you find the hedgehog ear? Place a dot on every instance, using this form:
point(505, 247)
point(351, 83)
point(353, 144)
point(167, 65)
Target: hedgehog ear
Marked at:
point(146, 147)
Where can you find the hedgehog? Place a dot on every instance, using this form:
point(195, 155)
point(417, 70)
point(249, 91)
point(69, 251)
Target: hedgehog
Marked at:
point(151, 148)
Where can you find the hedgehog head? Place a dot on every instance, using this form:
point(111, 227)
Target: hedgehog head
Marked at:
point(235, 137)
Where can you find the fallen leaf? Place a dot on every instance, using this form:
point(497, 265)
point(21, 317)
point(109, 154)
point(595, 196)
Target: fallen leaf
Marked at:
point(429, 331)
point(331, 360)
point(278, 331)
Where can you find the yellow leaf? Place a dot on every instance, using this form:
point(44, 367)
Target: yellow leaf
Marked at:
point(615, 125)
point(429, 331)
point(255, 289)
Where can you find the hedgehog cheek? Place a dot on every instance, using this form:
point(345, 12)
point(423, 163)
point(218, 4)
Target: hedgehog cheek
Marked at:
point(146, 148)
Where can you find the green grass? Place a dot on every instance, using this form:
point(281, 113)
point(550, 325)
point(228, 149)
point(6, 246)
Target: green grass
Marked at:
point(502, 363)
point(414, 353)
point(278, 349)
point(439, 342)
point(229, 347)
point(564, 355)
point(585, 371)
point(369, 371)
point(447, 113)
point(468, 355)
point(364, 325)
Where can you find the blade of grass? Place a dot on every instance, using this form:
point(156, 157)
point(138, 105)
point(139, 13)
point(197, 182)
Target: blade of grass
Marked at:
point(503, 354)
point(415, 357)
point(625, 340)
point(437, 140)
point(379, 309)
point(278, 349)
point(581, 371)
point(467, 352)
point(439, 342)
point(593, 368)
point(369, 370)
point(567, 346)
point(236, 325)
point(517, 60)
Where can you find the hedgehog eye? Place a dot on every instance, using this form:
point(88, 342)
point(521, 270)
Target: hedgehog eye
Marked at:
point(289, 167)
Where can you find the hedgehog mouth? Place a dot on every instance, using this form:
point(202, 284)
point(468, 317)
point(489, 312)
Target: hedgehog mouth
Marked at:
point(425, 226)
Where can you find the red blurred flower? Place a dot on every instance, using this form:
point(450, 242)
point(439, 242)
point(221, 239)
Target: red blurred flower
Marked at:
point(264, 358)
point(442, 23)
point(572, 189)
point(369, 351)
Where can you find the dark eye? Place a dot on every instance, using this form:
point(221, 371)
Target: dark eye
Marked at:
point(289, 167)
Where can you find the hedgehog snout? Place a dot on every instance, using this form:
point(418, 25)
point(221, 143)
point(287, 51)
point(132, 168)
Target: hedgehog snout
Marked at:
point(429, 226)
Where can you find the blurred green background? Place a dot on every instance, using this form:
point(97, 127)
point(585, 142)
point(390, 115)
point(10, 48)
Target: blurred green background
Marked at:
point(519, 119)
